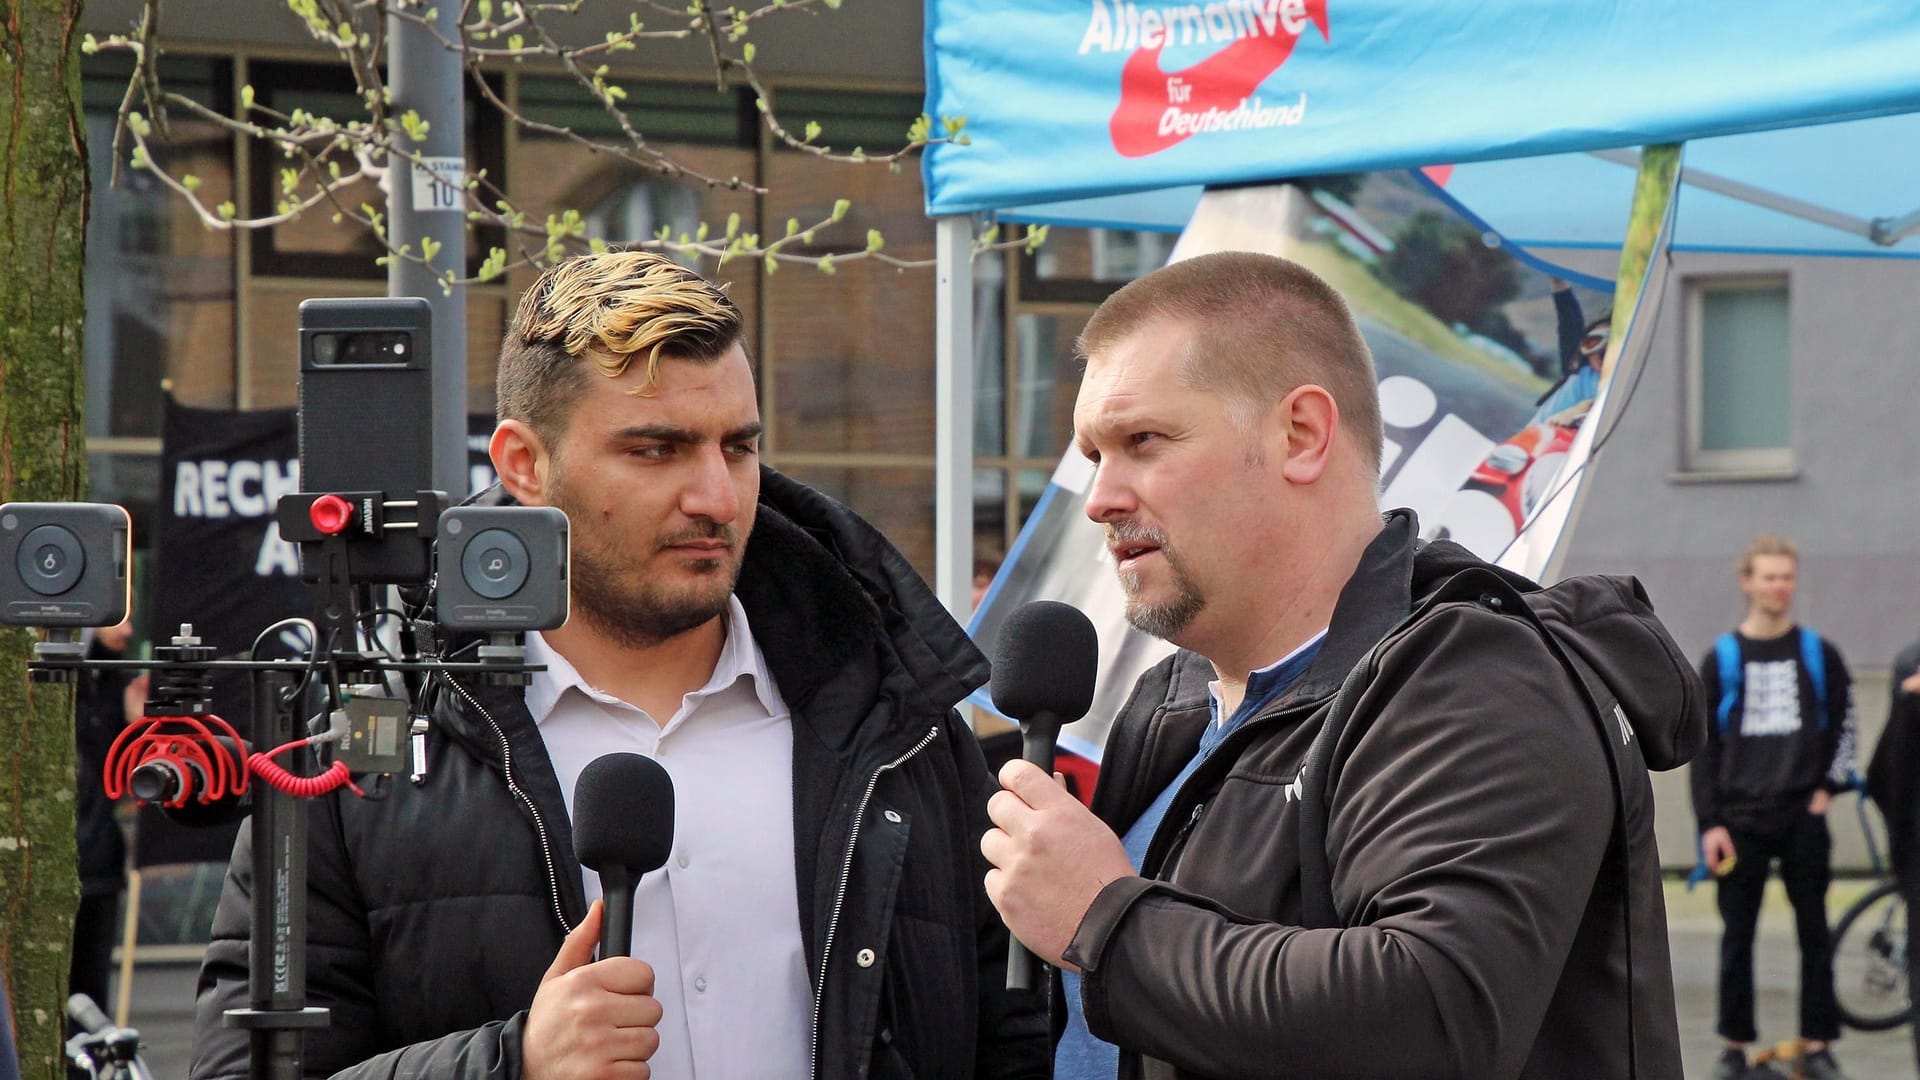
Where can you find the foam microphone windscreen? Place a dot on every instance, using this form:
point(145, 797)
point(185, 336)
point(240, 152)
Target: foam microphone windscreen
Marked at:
point(623, 814)
point(1044, 661)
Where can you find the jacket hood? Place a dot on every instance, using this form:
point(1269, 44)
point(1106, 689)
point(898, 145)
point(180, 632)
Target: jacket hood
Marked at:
point(818, 560)
point(1608, 621)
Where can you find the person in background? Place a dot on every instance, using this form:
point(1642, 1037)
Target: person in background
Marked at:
point(1780, 745)
point(1893, 782)
point(101, 704)
point(984, 569)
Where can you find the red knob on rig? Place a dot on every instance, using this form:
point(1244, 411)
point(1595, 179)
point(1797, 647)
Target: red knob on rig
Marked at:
point(331, 514)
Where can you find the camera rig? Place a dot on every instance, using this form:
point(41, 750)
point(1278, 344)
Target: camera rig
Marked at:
point(197, 766)
point(365, 525)
point(321, 721)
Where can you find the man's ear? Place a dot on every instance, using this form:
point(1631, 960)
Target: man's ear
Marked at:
point(1308, 418)
point(521, 458)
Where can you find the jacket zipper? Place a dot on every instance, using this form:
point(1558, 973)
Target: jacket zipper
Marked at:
point(1179, 842)
point(539, 824)
point(846, 874)
point(1225, 751)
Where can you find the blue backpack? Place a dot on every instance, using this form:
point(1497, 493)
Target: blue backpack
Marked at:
point(1813, 660)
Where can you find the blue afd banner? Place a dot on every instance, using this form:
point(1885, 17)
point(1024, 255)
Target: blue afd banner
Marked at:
point(1068, 99)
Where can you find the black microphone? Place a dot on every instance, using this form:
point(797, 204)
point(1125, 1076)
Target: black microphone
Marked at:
point(1044, 662)
point(623, 828)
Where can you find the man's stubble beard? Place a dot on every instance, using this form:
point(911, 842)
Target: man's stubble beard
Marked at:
point(642, 614)
point(1166, 619)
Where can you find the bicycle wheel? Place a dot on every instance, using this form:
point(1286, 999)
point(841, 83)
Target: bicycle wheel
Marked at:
point(1870, 961)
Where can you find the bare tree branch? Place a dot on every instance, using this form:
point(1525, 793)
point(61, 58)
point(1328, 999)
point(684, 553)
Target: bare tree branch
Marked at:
point(331, 155)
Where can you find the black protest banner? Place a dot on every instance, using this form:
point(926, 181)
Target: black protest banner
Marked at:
point(221, 566)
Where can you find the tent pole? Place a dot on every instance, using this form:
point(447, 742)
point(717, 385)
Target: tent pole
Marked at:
point(1890, 231)
point(953, 409)
point(1639, 290)
point(1758, 196)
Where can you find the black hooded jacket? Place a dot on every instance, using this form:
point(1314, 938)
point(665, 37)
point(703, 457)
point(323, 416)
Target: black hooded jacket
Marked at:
point(1893, 777)
point(434, 913)
point(1486, 924)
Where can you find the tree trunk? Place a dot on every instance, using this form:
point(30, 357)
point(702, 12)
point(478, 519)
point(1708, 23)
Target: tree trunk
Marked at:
point(43, 208)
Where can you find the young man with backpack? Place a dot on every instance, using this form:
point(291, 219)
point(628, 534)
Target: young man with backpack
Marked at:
point(1386, 812)
point(1780, 746)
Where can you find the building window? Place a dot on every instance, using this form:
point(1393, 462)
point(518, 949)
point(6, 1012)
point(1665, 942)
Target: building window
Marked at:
point(1739, 376)
point(160, 307)
point(1085, 266)
point(1029, 310)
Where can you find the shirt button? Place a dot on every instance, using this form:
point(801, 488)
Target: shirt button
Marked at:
point(893, 816)
point(683, 860)
point(700, 984)
point(864, 958)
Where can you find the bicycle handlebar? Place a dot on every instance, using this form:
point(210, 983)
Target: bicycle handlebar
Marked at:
point(101, 1043)
point(87, 1014)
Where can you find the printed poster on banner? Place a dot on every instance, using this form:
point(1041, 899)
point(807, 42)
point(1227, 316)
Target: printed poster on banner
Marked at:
point(1489, 362)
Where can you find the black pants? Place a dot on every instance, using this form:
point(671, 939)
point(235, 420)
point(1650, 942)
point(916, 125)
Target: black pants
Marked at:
point(96, 930)
point(1805, 851)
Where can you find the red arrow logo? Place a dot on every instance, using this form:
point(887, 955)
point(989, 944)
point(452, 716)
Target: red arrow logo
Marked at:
point(1152, 101)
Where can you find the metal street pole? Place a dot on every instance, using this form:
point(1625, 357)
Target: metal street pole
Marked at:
point(426, 210)
point(953, 416)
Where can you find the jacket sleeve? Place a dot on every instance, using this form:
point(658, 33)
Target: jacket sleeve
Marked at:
point(1843, 735)
point(1895, 766)
point(1703, 773)
point(339, 978)
point(1467, 828)
point(1012, 1040)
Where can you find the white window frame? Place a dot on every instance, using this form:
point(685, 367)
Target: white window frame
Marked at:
point(1758, 463)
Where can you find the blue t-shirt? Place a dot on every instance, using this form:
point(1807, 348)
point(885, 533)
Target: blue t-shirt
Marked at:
point(1080, 1056)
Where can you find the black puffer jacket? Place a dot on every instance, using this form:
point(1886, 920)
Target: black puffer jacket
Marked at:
point(99, 715)
point(1487, 924)
point(434, 913)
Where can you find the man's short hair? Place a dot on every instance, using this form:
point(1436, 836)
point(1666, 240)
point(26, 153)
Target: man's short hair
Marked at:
point(605, 310)
point(1767, 544)
point(1261, 326)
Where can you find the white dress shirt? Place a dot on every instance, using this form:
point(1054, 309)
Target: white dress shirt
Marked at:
point(720, 922)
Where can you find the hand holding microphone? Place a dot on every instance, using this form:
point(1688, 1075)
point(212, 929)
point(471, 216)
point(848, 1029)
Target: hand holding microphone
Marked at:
point(590, 1018)
point(1051, 856)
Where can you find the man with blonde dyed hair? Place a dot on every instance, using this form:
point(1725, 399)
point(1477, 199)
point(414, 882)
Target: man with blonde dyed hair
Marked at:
point(1476, 908)
point(822, 911)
